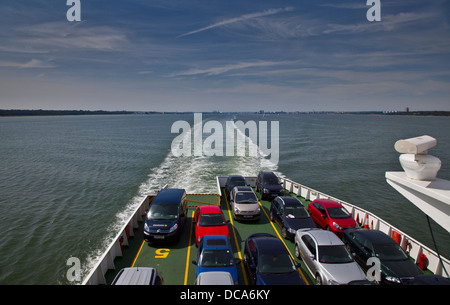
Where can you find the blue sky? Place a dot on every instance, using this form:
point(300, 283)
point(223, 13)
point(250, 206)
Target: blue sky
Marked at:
point(226, 55)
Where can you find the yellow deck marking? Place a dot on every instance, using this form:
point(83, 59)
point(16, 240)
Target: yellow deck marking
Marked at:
point(276, 231)
point(189, 251)
point(134, 261)
point(162, 253)
point(236, 241)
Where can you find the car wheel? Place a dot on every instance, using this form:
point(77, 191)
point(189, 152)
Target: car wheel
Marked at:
point(318, 279)
point(349, 249)
point(284, 232)
point(297, 251)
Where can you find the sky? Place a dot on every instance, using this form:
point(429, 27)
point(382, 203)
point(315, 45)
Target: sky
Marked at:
point(225, 55)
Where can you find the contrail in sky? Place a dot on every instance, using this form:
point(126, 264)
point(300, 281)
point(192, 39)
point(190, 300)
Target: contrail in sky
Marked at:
point(240, 18)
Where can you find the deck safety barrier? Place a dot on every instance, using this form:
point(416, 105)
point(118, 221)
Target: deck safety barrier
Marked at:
point(368, 220)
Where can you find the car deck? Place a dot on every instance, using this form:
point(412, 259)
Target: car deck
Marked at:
point(173, 260)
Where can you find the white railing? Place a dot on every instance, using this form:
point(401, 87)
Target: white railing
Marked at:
point(366, 219)
point(106, 261)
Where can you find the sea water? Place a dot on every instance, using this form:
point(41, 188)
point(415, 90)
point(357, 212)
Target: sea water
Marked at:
point(68, 183)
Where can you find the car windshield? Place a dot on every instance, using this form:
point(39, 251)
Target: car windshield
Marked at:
point(296, 211)
point(271, 180)
point(211, 220)
point(216, 258)
point(246, 197)
point(338, 213)
point(389, 252)
point(334, 255)
point(163, 212)
point(275, 263)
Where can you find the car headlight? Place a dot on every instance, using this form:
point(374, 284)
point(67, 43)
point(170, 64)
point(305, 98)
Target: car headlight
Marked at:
point(292, 231)
point(174, 227)
point(266, 191)
point(258, 210)
point(146, 228)
point(332, 282)
point(337, 226)
point(236, 210)
point(393, 279)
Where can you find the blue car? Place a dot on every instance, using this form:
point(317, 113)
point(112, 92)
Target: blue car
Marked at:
point(269, 262)
point(214, 254)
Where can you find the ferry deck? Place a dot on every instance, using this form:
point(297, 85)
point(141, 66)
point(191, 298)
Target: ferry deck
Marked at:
point(173, 260)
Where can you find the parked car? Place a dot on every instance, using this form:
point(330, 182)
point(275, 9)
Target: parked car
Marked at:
point(269, 262)
point(331, 215)
point(428, 279)
point(290, 214)
point(244, 203)
point(326, 257)
point(396, 266)
point(209, 220)
point(268, 185)
point(166, 216)
point(214, 278)
point(138, 276)
point(214, 254)
point(232, 181)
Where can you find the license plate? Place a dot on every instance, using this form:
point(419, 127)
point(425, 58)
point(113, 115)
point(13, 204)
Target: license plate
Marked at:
point(159, 236)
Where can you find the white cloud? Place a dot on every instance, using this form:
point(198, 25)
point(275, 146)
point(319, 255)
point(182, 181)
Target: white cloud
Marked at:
point(226, 68)
point(240, 18)
point(33, 63)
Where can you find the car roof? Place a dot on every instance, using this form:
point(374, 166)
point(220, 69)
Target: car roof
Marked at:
point(328, 203)
point(267, 243)
point(210, 209)
point(267, 173)
point(135, 276)
point(289, 200)
point(324, 237)
point(169, 196)
point(215, 278)
point(375, 236)
point(215, 242)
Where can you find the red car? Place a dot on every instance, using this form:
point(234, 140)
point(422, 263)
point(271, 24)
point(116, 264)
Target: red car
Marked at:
point(209, 220)
point(331, 215)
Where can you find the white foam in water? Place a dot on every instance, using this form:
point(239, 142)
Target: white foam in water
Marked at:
point(195, 174)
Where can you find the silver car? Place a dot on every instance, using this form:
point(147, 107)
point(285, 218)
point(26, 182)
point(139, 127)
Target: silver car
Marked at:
point(214, 278)
point(244, 203)
point(326, 257)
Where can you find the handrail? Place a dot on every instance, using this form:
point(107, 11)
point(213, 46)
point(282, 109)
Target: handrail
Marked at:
point(97, 274)
point(369, 220)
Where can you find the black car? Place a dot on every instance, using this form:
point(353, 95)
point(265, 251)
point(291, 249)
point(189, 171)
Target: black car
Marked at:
point(290, 214)
point(166, 216)
point(269, 262)
point(268, 184)
point(232, 181)
point(396, 266)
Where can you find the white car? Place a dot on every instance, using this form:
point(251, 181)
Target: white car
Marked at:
point(244, 203)
point(326, 257)
point(214, 278)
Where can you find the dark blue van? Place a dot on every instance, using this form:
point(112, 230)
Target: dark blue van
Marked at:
point(166, 216)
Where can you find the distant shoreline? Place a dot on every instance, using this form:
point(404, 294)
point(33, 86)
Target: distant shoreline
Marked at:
point(41, 112)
